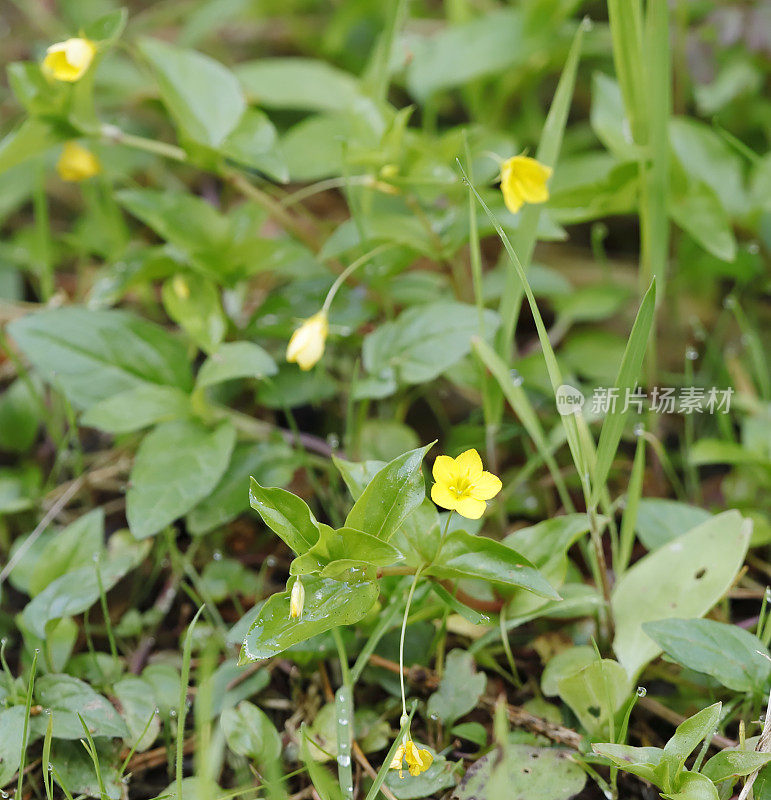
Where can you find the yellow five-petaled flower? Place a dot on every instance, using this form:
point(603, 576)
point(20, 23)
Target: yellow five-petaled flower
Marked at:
point(462, 485)
point(306, 347)
point(523, 180)
point(76, 163)
point(69, 61)
point(418, 759)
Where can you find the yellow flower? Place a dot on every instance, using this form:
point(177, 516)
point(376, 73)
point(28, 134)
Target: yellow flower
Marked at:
point(306, 346)
point(418, 760)
point(297, 600)
point(523, 180)
point(462, 485)
point(76, 163)
point(70, 60)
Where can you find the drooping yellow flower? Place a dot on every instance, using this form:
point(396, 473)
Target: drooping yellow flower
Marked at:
point(306, 347)
point(69, 61)
point(523, 180)
point(418, 759)
point(76, 163)
point(297, 600)
point(462, 485)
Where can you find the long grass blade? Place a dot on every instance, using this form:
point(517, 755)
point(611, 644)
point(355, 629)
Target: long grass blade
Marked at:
point(631, 364)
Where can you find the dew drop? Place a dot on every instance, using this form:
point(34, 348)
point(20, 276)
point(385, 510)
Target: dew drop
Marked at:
point(691, 353)
point(344, 760)
point(333, 440)
point(172, 712)
point(342, 721)
point(641, 691)
point(753, 248)
point(516, 378)
point(639, 429)
point(729, 301)
point(217, 556)
point(271, 561)
point(434, 716)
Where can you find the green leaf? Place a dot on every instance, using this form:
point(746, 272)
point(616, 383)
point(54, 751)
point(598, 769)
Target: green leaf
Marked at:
point(249, 732)
point(138, 710)
point(424, 341)
point(20, 416)
point(302, 84)
point(697, 210)
point(564, 664)
point(204, 97)
point(628, 372)
point(640, 761)
point(75, 769)
point(731, 655)
point(286, 515)
point(69, 549)
point(235, 360)
point(193, 302)
point(684, 578)
point(486, 45)
point(395, 491)
point(107, 28)
point(335, 548)
point(11, 737)
point(660, 520)
point(137, 408)
point(734, 764)
point(608, 119)
point(32, 138)
point(75, 592)
point(272, 462)
point(693, 786)
point(534, 773)
point(459, 690)
point(467, 556)
point(94, 354)
point(690, 734)
point(68, 697)
point(254, 144)
point(357, 474)
point(328, 604)
point(595, 693)
point(177, 465)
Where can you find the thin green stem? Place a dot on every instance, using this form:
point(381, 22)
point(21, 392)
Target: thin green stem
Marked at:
point(401, 640)
point(351, 268)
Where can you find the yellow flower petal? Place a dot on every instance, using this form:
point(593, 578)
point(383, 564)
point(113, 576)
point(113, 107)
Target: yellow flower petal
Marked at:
point(443, 497)
point(445, 469)
point(306, 346)
point(486, 486)
point(469, 463)
point(523, 180)
point(470, 508)
point(69, 60)
point(396, 761)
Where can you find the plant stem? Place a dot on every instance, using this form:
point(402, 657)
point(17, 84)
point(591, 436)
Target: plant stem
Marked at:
point(401, 640)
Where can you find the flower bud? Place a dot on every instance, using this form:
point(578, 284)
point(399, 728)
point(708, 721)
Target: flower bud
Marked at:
point(306, 347)
point(69, 61)
point(76, 163)
point(296, 600)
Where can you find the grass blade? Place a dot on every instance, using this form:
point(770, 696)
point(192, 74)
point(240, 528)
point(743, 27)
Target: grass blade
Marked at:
point(547, 153)
point(631, 364)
